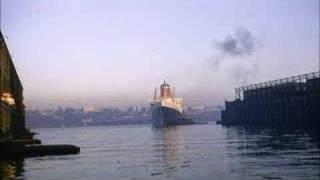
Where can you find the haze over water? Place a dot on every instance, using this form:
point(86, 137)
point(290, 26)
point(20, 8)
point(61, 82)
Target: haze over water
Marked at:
point(185, 152)
point(97, 53)
point(114, 53)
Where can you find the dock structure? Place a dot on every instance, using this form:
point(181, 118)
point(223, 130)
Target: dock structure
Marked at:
point(16, 141)
point(291, 101)
point(12, 109)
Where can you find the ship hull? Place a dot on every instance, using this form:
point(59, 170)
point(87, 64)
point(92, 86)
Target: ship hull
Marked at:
point(166, 116)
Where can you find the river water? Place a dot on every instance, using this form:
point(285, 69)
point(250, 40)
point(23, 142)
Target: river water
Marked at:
point(186, 152)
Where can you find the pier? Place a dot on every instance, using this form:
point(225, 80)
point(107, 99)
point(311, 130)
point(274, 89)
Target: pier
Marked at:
point(16, 141)
point(293, 101)
point(12, 109)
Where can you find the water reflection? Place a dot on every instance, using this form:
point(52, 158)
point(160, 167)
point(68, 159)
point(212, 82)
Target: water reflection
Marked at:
point(274, 139)
point(170, 141)
point(292, 150)
point(11, 169)
point(186, 152)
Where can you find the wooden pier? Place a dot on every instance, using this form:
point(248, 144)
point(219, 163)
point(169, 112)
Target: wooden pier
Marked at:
point(15, 140)
point(291, 101)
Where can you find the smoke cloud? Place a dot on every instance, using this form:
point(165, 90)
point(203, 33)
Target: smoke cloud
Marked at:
point(240, 44)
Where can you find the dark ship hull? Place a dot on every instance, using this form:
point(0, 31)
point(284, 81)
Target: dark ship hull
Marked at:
point(166, 116)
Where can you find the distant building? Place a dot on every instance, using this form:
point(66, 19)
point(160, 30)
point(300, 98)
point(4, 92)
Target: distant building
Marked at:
point(89, 109)
point(12, 110)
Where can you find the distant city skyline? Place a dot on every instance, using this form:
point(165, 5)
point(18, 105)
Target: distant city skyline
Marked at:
point(114, 53)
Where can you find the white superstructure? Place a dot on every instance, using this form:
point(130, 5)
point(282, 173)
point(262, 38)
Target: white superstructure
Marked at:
point(166, 99)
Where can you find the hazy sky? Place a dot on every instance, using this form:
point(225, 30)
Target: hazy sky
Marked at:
point(114, 53)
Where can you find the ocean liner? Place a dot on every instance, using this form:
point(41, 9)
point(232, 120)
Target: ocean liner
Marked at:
point(167, 110)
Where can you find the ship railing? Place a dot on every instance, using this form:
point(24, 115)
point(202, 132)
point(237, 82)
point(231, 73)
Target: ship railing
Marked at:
point(273, 83)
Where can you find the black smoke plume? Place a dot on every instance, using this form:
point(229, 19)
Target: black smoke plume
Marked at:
point(239, 44)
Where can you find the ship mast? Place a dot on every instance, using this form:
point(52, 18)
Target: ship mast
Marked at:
point(155, 94)
point(173, 91)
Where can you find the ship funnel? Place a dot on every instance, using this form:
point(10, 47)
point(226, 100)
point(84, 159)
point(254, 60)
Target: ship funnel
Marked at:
point(165, 90)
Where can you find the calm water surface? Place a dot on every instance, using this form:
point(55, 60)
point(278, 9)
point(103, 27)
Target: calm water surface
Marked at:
point(186, 152)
